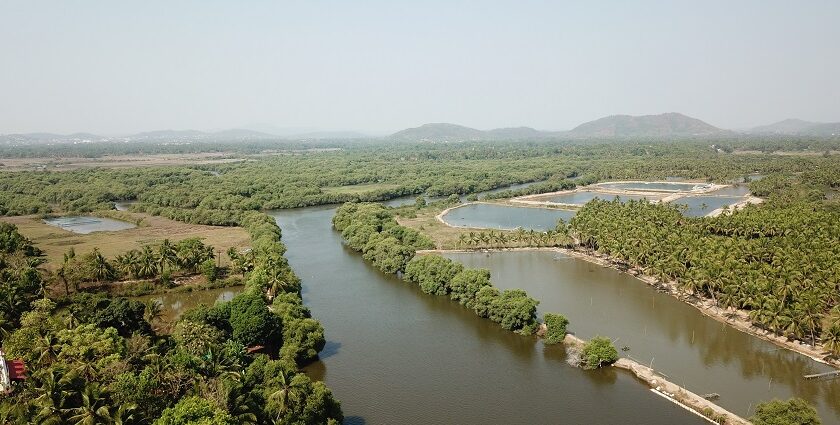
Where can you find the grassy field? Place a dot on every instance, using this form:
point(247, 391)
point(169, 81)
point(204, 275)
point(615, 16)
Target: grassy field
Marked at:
point(359, 188)
point(55, 241)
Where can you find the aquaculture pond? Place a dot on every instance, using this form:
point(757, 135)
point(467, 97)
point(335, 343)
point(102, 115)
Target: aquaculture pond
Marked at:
point(693, 350)
point(397, 356)
point(653, 186)
point(584, 196)
point(174, 304)
point(497, 216)
point(84, 225)
point(699, 206)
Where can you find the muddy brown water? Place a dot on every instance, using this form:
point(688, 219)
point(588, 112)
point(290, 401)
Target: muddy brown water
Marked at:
point(396, 355)
point(693, 350)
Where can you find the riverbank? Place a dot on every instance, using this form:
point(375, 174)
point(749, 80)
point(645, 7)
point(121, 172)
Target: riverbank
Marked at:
point(673, 392)
point(738, 319)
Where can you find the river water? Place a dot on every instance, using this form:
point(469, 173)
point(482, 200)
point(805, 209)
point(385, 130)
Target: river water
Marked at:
point(695, 351)
point(397, 356)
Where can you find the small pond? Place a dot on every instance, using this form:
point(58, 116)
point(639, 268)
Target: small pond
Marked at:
point(699, 206)
point(85, 225)
point(584, 196)
point(656, 186)
point(494, 216)
point(174, 304)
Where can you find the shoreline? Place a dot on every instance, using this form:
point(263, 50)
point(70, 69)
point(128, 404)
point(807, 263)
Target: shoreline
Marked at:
point(672, 392)
point(737, 319)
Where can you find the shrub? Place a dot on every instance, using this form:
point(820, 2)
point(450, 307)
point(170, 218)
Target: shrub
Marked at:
point(599, 352)
point(555, 328)
point(778, 412)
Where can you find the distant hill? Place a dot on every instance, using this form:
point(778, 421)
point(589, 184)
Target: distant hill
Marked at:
point(439, 132)
point(796, 127)
point(669, 124)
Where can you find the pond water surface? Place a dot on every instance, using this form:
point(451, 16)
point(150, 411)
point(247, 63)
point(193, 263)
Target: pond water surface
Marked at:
point(584, 196)
point(85, 225)
point(495, 216)
point(174, 304)
point(699, 206)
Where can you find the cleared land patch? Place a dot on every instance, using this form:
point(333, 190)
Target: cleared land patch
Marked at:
point(55, 241)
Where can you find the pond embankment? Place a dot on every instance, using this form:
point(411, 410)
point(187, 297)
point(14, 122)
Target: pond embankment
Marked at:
point(680, 395)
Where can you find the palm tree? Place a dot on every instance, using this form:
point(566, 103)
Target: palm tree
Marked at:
point(154, 310)
point(93, 411)
point(831, 339)
point(167, 255)
point(147, 263)
point(284, 395)
point(101, 268)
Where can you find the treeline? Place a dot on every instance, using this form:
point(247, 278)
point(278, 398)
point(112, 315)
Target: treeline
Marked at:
point(219, 193)
point(154, 261)
point(93, 359)
point(372, 230)
point(780, 262)
point(20, 281)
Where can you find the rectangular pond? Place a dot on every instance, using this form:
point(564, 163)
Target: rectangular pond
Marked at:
point(584, 196)
point(84, 225)
point(653, 186)
point(495, 216)
point(699, 206)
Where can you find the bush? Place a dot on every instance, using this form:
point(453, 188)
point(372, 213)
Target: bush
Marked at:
point(599, 352)
point(515, 311)
point(555, 328)
point(777, 412)
point(466, 284)
point(250, 321)
point(433, 273)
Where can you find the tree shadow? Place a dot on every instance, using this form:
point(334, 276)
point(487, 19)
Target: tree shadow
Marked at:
point(354, 420)
point(331, 348)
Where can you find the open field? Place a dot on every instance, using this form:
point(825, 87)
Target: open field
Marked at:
point(55, 241)
point(359, 188)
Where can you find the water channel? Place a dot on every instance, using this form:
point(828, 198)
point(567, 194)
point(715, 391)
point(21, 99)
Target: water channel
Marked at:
point(695, 351)
point(396, 355)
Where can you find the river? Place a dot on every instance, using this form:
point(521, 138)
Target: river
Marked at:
point(396, 355)
point(693, 350)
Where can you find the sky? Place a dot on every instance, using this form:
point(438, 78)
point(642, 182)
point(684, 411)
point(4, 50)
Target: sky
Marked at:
point(119, 67)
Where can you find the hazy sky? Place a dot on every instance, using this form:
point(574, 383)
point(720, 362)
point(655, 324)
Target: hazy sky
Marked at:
point(124, 66)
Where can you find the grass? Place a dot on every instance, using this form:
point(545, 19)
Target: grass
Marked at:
point(359, 188)
point(55, 241)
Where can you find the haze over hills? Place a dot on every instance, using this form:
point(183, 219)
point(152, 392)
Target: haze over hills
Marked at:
point(668, 124)
point(611, 127)
point(799, 127)
point(615, 126)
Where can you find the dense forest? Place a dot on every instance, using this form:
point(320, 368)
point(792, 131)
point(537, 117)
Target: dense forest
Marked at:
point(94, 359)
point(780, 260)
point(219, 193)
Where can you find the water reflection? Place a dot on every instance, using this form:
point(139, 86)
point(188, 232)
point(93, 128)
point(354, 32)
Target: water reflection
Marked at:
point(693, 350)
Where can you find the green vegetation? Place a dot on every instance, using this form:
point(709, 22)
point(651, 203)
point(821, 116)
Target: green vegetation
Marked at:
point(94, 359)
point(598, 352)
point(779, 261)
point(152, 262)
point(555, 328)
point(372, 230)
point(777, 412)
